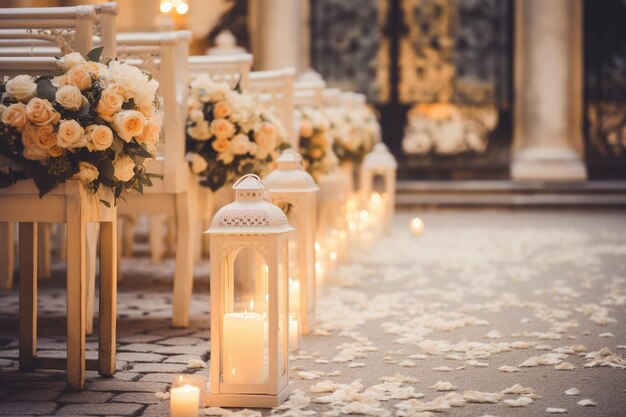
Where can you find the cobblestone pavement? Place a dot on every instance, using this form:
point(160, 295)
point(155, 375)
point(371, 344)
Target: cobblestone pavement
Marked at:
point(482, 301)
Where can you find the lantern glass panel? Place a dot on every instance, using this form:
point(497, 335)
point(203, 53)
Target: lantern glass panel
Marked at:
point(244, 322)
point(283, 310)
point(379, 184)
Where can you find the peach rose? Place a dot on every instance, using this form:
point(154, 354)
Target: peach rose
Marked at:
point(222, 128)
point(240, 145)
point(99, 137)
point(197, 162)
point(46, 137)
point(55, 151)
point(265, 141)
point(128, 124)
point(146, 109)
point(79, 77)
point(15, 116)
point(41, 112)
point(21, 87)
point(29, 137)
point(35, 154)
point(151, 131)
point(220, 145)
point(87, 173)
point(71, 135)
point(268, 129)
point(306, 129)
point(222, 110)
point(110, 103)
point(70, 97)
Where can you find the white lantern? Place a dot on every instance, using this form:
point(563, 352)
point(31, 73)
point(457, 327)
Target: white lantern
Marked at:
point(249, 323)
point(378, 183)
point(294, 189)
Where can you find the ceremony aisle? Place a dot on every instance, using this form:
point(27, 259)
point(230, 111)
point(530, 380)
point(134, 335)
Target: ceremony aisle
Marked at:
point(501, 313)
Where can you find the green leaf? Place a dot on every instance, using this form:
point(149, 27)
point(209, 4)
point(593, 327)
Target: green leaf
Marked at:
point(45, 89)
point(129, 105)
point(43, 180)
point(94, 54)
point(105, 203)
point(107, 173)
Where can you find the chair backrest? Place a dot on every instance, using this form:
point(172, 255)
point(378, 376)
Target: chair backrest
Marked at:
point(275, 90)
point(332, 97)
point(54, 31)
point(165, 55)
point(309, 93)
point(222, 68)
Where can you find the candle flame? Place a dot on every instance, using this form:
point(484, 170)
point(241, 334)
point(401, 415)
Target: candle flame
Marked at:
point(233, 371)
point(267, 298)
point(251, 305)
point(376, 198)
point(266, 269)
point(364, 215)
point(180, 378)
point(333, 256)
point(318, 246)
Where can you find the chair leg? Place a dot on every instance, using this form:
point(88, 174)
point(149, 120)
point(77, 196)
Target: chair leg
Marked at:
point(44, 251)
point(28, 294)
point(128, 235)
point(155, 237)
point(183, 279)
point(108, 298)
point(76, 292)
point(170, 236)
point(7, 255)
point(92, 261)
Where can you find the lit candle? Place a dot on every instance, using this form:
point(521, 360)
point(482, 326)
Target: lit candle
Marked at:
point(184, 401)
point(294, 333)
point(243, 348)
point(417, 226)
point(294, 296)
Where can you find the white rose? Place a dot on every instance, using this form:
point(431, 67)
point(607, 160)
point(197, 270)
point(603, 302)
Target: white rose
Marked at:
point(70, 97)
point(240, 144)
point(124, 168)
point(200, 131)
point(197, 162)
point(70, 135)
point(21, 88)
point(196, 116)
point(88, 173)
point(128, 124)
point(71, 60)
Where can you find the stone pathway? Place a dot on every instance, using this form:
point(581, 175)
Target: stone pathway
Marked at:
point(501, 313)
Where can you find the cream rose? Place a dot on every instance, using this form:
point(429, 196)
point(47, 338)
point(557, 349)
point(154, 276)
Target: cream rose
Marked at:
point(15, 116)
point(46, 137)
point(79, 77)
point(221, 145)
point(88, 173)
point(222, 110)
point(124, 168)
point(71, 60)
point(21, 88)
point(146, 109)
point(200, 131)
point(55, 151)
point(197, 162)
point(41, 112)
point(151, 131)
point(71, 134)
point(110, 102)
point(29, 137)
point(196, 116)
point(222, 128)
point(240, 144)
point(128, 124)
point(35, 154)
point(99, 137)
point(268, 129)
point(306, 129)
point(70, 97)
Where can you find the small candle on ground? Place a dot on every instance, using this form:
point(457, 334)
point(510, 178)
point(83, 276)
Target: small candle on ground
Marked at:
point(294, 333)
point(416, 226)
point(184, 401)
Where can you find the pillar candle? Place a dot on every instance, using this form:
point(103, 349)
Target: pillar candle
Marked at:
point(294, 333)
point(294, 296)
point(243, 348)
point(184, 401)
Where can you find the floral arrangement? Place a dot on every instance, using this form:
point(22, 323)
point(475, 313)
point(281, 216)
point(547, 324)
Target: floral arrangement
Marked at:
point(448, 129)
point(229, 134)
point(95, 122)
point(355, 131)
point(316, 145)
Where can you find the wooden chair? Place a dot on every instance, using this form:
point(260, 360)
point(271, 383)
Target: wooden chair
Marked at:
point(72, 28)
point(165, 56)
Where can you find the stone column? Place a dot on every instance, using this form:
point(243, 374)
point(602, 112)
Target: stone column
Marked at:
point(279, 33)
point(548, 90)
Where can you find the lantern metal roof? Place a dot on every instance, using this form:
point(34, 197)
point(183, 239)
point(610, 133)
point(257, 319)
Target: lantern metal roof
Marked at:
point(290, 176)
point(380, 157)
point(250, 213)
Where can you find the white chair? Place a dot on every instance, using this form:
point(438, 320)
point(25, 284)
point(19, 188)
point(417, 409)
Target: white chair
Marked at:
point(276, 91)
point(71, 28)
point(165, 56)
point(232, 69)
